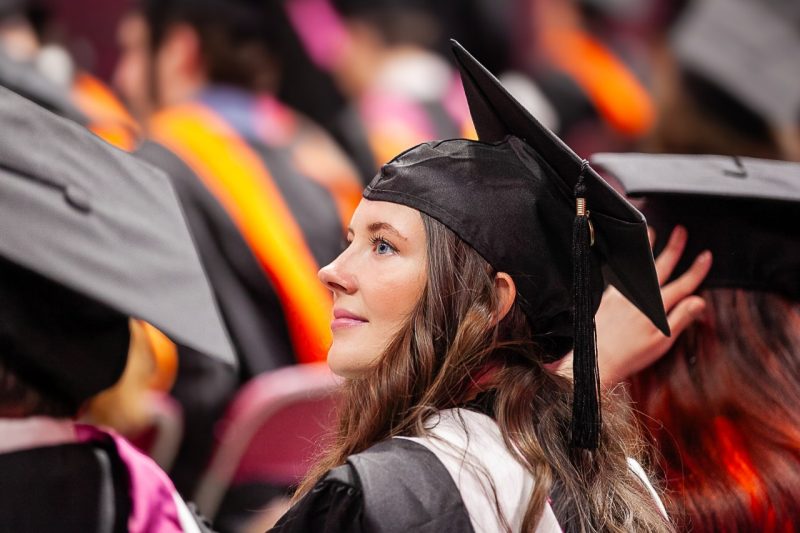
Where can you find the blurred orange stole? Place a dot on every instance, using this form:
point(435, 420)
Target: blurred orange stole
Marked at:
point(108, 118)
point(241, 182)
point(618, 96)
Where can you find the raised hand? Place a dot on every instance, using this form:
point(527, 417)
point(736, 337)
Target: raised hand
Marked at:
point(627, 341)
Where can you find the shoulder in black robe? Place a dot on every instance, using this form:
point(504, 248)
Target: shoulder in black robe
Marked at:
point(396, 486)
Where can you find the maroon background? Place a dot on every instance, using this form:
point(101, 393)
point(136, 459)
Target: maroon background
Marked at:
point(88, 28)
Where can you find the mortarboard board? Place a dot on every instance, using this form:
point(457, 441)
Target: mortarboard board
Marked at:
point(512, 197)
point(103, 224)
point(743, 210)
point(747, 48)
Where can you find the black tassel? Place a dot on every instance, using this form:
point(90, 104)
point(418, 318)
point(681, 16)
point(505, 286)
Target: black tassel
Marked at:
point(586, 417)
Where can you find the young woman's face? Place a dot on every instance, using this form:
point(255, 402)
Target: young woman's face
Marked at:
point(375, 282)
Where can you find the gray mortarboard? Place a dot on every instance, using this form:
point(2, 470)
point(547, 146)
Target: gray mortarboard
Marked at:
point(109, 230)
point(747, 48)
point(512, 196)
point(744, 210)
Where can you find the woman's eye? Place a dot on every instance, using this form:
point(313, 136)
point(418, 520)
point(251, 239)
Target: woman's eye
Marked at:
point(382, 247)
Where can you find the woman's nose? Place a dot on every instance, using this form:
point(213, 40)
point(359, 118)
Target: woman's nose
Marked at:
point(336, 277)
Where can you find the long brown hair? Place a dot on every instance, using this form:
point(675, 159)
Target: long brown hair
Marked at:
point(723, 407)
point(434, 362)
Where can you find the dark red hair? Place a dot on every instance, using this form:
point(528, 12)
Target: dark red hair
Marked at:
point(724, 408)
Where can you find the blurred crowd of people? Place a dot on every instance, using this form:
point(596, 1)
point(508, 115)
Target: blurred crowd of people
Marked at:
point(270, 116)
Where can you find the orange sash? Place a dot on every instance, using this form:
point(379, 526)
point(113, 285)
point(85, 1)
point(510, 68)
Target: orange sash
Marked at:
point(109, 119)
point(618, 96)
point(240, 181)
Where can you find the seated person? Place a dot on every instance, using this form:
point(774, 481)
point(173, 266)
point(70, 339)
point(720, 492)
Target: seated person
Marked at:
point(60, 348)
point(720, 395)
point(471, 267)
point(91, 238)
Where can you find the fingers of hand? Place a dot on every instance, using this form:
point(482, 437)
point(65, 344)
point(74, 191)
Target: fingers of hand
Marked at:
point(685, 285)
point(669, 257)
point(687, 311)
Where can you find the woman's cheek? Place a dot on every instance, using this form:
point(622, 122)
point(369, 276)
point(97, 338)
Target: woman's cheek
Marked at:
point(394, 296)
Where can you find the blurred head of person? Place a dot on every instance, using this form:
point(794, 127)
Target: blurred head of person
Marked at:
point(58, 348)
point(172, 49)
point(27, 36)
point(378, 31)
point(727, 84)
point(722, 405)
point(722, 402)
point(21, 26)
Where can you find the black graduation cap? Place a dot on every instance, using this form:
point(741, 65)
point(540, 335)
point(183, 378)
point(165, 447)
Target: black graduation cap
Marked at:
point(102, 224)
point(744, 210)
point(67, 346)
point(747, 48)
point(515, 197)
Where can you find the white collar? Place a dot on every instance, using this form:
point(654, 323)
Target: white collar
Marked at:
point(471, 447)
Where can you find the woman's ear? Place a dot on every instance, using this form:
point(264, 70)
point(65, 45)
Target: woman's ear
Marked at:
point(506, 294)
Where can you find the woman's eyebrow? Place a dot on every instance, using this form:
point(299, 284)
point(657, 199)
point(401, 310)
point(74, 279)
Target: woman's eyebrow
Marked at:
point(383, 226)
point(380, 226)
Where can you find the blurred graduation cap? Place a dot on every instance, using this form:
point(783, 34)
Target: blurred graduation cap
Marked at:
point(744, 210)
point(532, 208)
point(105, 228)
point(747, 48)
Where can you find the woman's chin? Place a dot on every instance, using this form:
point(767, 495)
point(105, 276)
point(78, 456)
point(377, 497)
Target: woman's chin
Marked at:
point(348, 362)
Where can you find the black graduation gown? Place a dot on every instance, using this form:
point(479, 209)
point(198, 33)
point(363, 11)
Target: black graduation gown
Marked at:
point(395, 486)
point(78, 487)
point(249, 306)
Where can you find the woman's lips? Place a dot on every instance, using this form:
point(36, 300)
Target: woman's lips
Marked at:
point(345, 319)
